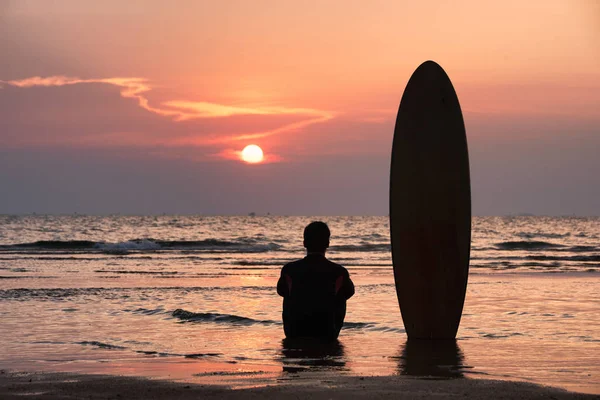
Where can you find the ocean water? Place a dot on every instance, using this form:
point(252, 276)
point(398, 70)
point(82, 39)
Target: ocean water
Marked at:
point(193, 298)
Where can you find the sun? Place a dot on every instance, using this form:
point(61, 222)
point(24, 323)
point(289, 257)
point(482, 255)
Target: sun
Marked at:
point(252, 154)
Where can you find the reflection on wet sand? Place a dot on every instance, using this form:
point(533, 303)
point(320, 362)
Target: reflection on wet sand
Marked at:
point(309, 354)
point(431, 358)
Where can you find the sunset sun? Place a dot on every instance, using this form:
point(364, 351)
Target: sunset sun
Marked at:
point(252, 154)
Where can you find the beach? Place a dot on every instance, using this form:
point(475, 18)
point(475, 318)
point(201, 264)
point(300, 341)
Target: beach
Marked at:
point(64, 386)
point(166, 302)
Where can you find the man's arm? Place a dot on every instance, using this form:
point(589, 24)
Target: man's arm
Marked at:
point(282, 284)
point(348, 288)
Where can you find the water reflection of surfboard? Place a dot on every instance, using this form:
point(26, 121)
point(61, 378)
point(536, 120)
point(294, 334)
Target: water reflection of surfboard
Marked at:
point(430, 205)
point(432, 358)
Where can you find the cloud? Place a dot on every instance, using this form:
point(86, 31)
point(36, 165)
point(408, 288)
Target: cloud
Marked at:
point(133, 88)
point(185, 110)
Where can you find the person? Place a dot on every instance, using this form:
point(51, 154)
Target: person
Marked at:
point(314, 289)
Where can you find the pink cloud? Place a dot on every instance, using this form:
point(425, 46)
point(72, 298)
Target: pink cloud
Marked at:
point(185, 110)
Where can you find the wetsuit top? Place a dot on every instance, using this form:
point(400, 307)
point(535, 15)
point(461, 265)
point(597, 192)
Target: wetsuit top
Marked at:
point(314, 292)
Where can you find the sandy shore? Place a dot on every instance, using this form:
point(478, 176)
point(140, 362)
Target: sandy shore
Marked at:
point(71, 386)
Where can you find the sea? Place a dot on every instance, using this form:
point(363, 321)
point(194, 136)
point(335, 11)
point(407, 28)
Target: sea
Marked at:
point(192, 298)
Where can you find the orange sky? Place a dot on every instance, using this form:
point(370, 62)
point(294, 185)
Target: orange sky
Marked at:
point(301, 79)
point(340, 57)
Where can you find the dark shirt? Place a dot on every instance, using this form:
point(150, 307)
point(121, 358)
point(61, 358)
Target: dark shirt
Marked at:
point(314, 292)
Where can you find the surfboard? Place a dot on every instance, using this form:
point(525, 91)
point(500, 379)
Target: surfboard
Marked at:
point(430, 206)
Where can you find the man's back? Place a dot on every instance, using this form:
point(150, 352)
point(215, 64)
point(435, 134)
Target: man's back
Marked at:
point(315, 291)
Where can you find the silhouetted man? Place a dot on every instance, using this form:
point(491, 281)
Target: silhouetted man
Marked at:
point(314, 289)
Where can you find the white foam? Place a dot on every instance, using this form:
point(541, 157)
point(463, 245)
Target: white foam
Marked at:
point(121, 247)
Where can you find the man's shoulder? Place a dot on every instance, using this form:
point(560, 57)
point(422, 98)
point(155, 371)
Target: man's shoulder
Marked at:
point(294, 264)
point(303, 262)
point(337, 266)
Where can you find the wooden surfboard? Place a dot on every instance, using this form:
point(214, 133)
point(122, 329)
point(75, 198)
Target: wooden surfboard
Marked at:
point(430, 206)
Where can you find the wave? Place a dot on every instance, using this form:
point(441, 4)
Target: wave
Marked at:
point(583, 249)
point(269, 263)
point(188, 316)
point(527, 245)
point(363, 247)
point(101, 345)
point(52, 244)
point(146, 311)
point(241, 245)
point(156, 353)
point(50, 294)
point(358, 325)
point(149, 245)
point(230, 373)
point(27, 277)
point(112, 271)
point(202, 355)
point(108, 346)
point(556, 256)
point(127, 246)
point(531, 235)
point(187, 248)
point(591, 258)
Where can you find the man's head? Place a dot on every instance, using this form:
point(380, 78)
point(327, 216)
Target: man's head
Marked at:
point(316, 237)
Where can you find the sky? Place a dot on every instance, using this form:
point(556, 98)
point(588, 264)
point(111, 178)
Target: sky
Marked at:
point(143, 107)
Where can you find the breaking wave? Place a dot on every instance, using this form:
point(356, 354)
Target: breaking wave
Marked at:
point(188, 316)
point(243, 245)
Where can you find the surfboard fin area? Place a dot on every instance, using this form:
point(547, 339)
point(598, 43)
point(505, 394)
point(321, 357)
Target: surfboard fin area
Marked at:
point(430, 205)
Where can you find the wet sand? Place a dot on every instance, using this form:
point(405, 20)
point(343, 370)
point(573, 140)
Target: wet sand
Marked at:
point(71, 386)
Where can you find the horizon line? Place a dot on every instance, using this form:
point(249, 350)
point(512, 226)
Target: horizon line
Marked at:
point(257, 215)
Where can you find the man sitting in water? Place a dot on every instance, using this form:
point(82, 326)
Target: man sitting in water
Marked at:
point(314, 289)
